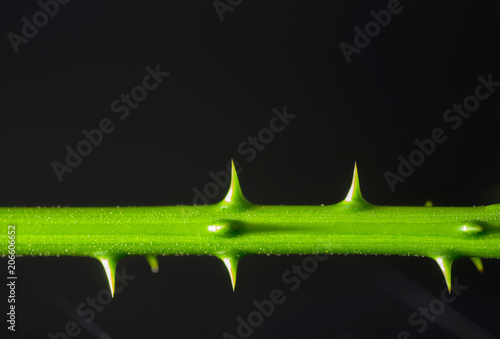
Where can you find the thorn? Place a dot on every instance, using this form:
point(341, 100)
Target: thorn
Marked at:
point(428, 203)
point(478, 263)
point(445, 265)
point(234, 195)
point(109, 264)
point(153, 262)
point(231, 264)
point(354, 194)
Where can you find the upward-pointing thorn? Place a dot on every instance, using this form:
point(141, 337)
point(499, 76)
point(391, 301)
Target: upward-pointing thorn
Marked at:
point(234, 195)
point(109, 264)
point(478, 263)
point(231, 263)
point(354, 194)
point(445, 265)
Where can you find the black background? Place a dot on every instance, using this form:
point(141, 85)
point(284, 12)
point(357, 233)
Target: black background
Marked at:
point(225, 79)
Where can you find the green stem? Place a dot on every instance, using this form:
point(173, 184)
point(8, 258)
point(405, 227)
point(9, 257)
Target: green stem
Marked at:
point(234, 228)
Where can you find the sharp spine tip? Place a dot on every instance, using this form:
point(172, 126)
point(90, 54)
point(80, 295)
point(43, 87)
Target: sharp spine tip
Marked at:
point(478, 263)
point(445, 265)
point(235, 195)
point(153, 262)
point(109, 264)
point(231, 265)
point(354, 194)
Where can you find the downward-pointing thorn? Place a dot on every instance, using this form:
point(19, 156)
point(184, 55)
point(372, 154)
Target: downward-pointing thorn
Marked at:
point(445, 265)
point(478, 263)
point(153, 262)
point(109, 264)
point(231, 264)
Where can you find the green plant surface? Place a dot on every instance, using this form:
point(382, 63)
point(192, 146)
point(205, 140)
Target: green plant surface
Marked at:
point(235, 227)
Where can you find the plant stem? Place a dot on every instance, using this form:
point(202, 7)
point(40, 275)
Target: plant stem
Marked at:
point(234, 228)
